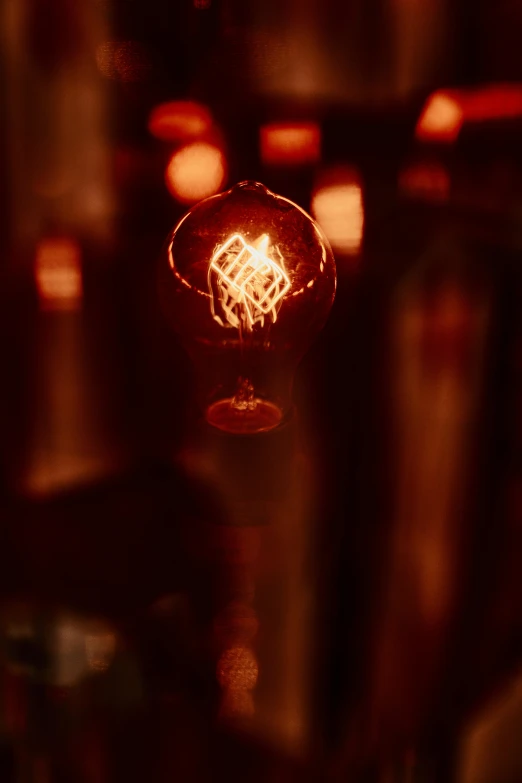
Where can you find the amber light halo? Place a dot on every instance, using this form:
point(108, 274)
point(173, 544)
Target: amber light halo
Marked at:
point(248, 279)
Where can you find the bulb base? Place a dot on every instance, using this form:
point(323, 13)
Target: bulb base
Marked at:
point(228, 417)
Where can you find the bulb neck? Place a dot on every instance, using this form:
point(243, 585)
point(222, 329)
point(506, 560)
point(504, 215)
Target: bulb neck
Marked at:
point(243, 394)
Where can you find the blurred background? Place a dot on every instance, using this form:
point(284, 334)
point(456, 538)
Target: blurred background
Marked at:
point(357, 615)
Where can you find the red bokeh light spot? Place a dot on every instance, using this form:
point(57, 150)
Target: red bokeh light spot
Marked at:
point(58, 273)
point(179, 121)
point(441, 118)
point(290, 143)
point(337, 205)
point(237, 669)
point(446, 111)
point(196, 171)
point(496, 101)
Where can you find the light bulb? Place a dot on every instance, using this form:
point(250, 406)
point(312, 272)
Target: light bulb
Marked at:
point(248, 279)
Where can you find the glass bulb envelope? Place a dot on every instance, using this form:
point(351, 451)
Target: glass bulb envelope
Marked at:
point(247, 281)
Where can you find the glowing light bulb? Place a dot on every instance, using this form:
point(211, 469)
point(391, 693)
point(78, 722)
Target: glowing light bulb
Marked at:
point(248, 279)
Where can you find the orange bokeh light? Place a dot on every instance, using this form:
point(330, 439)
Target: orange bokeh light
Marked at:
point(446, 111)
point(337, 205)
point(290, 143)
point(441, 119)
point(494, 102)
point(237, 669)
point(196, 171)
point(425, 181)
point(179, 121)
point(58, 273)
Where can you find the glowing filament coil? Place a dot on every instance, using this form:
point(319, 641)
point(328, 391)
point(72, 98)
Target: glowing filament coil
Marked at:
point(251, 285)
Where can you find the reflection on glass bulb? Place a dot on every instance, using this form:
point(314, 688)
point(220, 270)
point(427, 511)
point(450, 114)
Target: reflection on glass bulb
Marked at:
point(248, 280)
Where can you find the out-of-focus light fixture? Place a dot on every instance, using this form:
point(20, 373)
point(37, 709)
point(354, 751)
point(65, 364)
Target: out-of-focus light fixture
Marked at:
point(493, 102)
point(441, 119)
point(290, 143)
point(248, 281)
point(237, 668)
point(337, 205)
point(446, 111)
point(179, 121)
point(196, 171)
point(58, 274)
point(425, 181)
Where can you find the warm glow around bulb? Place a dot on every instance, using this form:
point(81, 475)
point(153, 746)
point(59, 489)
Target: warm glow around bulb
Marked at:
point(338, 208)
point(441, 118)
point(290, 143)
point(58, 273)
point(247, 280)
point(195, 172)
point(179, 121)
point(494, 102)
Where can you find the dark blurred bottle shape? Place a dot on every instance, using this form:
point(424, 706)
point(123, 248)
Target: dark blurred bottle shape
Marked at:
point(60, 220)
point(430, 519)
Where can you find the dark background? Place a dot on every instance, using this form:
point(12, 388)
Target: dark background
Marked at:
point(414, 566)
